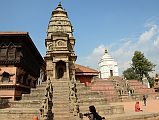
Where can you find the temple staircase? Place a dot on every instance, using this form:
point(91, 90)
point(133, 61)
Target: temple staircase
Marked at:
point(61, 102)
point(87, 97)
point(26, 108)
point(106, 88)
point(141, 89)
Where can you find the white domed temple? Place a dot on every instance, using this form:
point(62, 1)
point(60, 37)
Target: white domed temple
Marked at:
point(107, 66)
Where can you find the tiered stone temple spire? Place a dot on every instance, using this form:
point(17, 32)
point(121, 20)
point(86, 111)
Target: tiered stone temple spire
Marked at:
point(60, 22)
point(107, 66)
point(60, 64)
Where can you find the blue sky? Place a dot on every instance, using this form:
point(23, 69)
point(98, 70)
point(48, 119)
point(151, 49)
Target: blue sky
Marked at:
point(122, 26)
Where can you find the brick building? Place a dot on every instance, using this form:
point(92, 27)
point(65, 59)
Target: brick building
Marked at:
point(20, 64)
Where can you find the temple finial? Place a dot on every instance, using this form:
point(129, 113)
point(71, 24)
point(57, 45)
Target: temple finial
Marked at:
point(60, 5)
point(106, 50)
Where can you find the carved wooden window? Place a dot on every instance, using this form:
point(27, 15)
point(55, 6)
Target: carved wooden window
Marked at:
point(11, 53)
point(5, 77)
point(18, 53)
point(3, 53)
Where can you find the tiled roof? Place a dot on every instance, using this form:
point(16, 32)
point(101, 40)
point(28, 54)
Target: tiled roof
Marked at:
point(82, 70)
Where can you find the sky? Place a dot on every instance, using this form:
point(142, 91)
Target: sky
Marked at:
point(121, 26)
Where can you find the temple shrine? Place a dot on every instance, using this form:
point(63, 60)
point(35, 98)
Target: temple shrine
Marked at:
point(107, 66)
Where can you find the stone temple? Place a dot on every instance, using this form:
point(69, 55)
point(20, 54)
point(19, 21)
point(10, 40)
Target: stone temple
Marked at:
point(107, 66)
point(60, 62)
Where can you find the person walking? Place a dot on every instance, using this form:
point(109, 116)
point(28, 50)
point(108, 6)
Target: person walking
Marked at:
point(144, 99)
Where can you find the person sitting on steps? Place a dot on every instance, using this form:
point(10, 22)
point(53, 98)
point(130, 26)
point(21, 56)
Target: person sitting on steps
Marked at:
point(137, 107)
point(93, 115)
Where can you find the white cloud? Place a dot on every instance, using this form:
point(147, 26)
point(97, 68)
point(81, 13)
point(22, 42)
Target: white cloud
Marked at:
point(124, 50)
point(149, 34)
point(98, 51)
point(93, 58)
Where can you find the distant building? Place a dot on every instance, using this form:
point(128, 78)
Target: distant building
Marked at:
point(107, 66)
point(85, 74)
point(20, 64)
point(156, 84)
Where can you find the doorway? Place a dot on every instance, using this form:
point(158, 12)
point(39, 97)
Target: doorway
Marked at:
point(60, 69)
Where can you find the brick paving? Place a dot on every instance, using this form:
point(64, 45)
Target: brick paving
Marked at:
point(151, 107)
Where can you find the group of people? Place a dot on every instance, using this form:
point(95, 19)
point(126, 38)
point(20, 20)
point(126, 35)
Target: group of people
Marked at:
point(93, 115)
point(137, 105)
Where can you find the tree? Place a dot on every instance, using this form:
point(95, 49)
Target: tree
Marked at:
point(141, 65)
point(130, 74)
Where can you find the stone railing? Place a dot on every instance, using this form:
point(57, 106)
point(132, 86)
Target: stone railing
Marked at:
point(47, 103)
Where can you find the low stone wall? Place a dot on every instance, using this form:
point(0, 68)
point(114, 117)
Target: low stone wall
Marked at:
point(112, 110)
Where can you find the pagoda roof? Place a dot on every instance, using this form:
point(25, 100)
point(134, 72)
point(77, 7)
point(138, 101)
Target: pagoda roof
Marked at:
point(26, 39)
point(83, 70)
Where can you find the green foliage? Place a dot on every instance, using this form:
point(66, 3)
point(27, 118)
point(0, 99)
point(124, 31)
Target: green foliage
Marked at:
point(141, 65)
point(130, 74)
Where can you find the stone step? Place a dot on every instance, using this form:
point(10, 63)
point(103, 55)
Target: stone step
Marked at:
point(88, 93)
point(61, 102)
point(61, 117)
point(33, 97)
point(43, 84)
point(80, 85)
point(60, 97)
point(61, 94)
point(25, 104)
point(18, 113)
point(83, 99)
point(89, 102)
point(63, 99)
point(19, 110)
point(62, 113)
point(99, 108)
point(33, 91)
point(60, 83)
point(60, 109)
point(34, 94)
point(60, 88)
point(105, 109)
point(82, 89)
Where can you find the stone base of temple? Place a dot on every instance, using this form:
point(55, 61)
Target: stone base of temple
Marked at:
point(30, 104)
